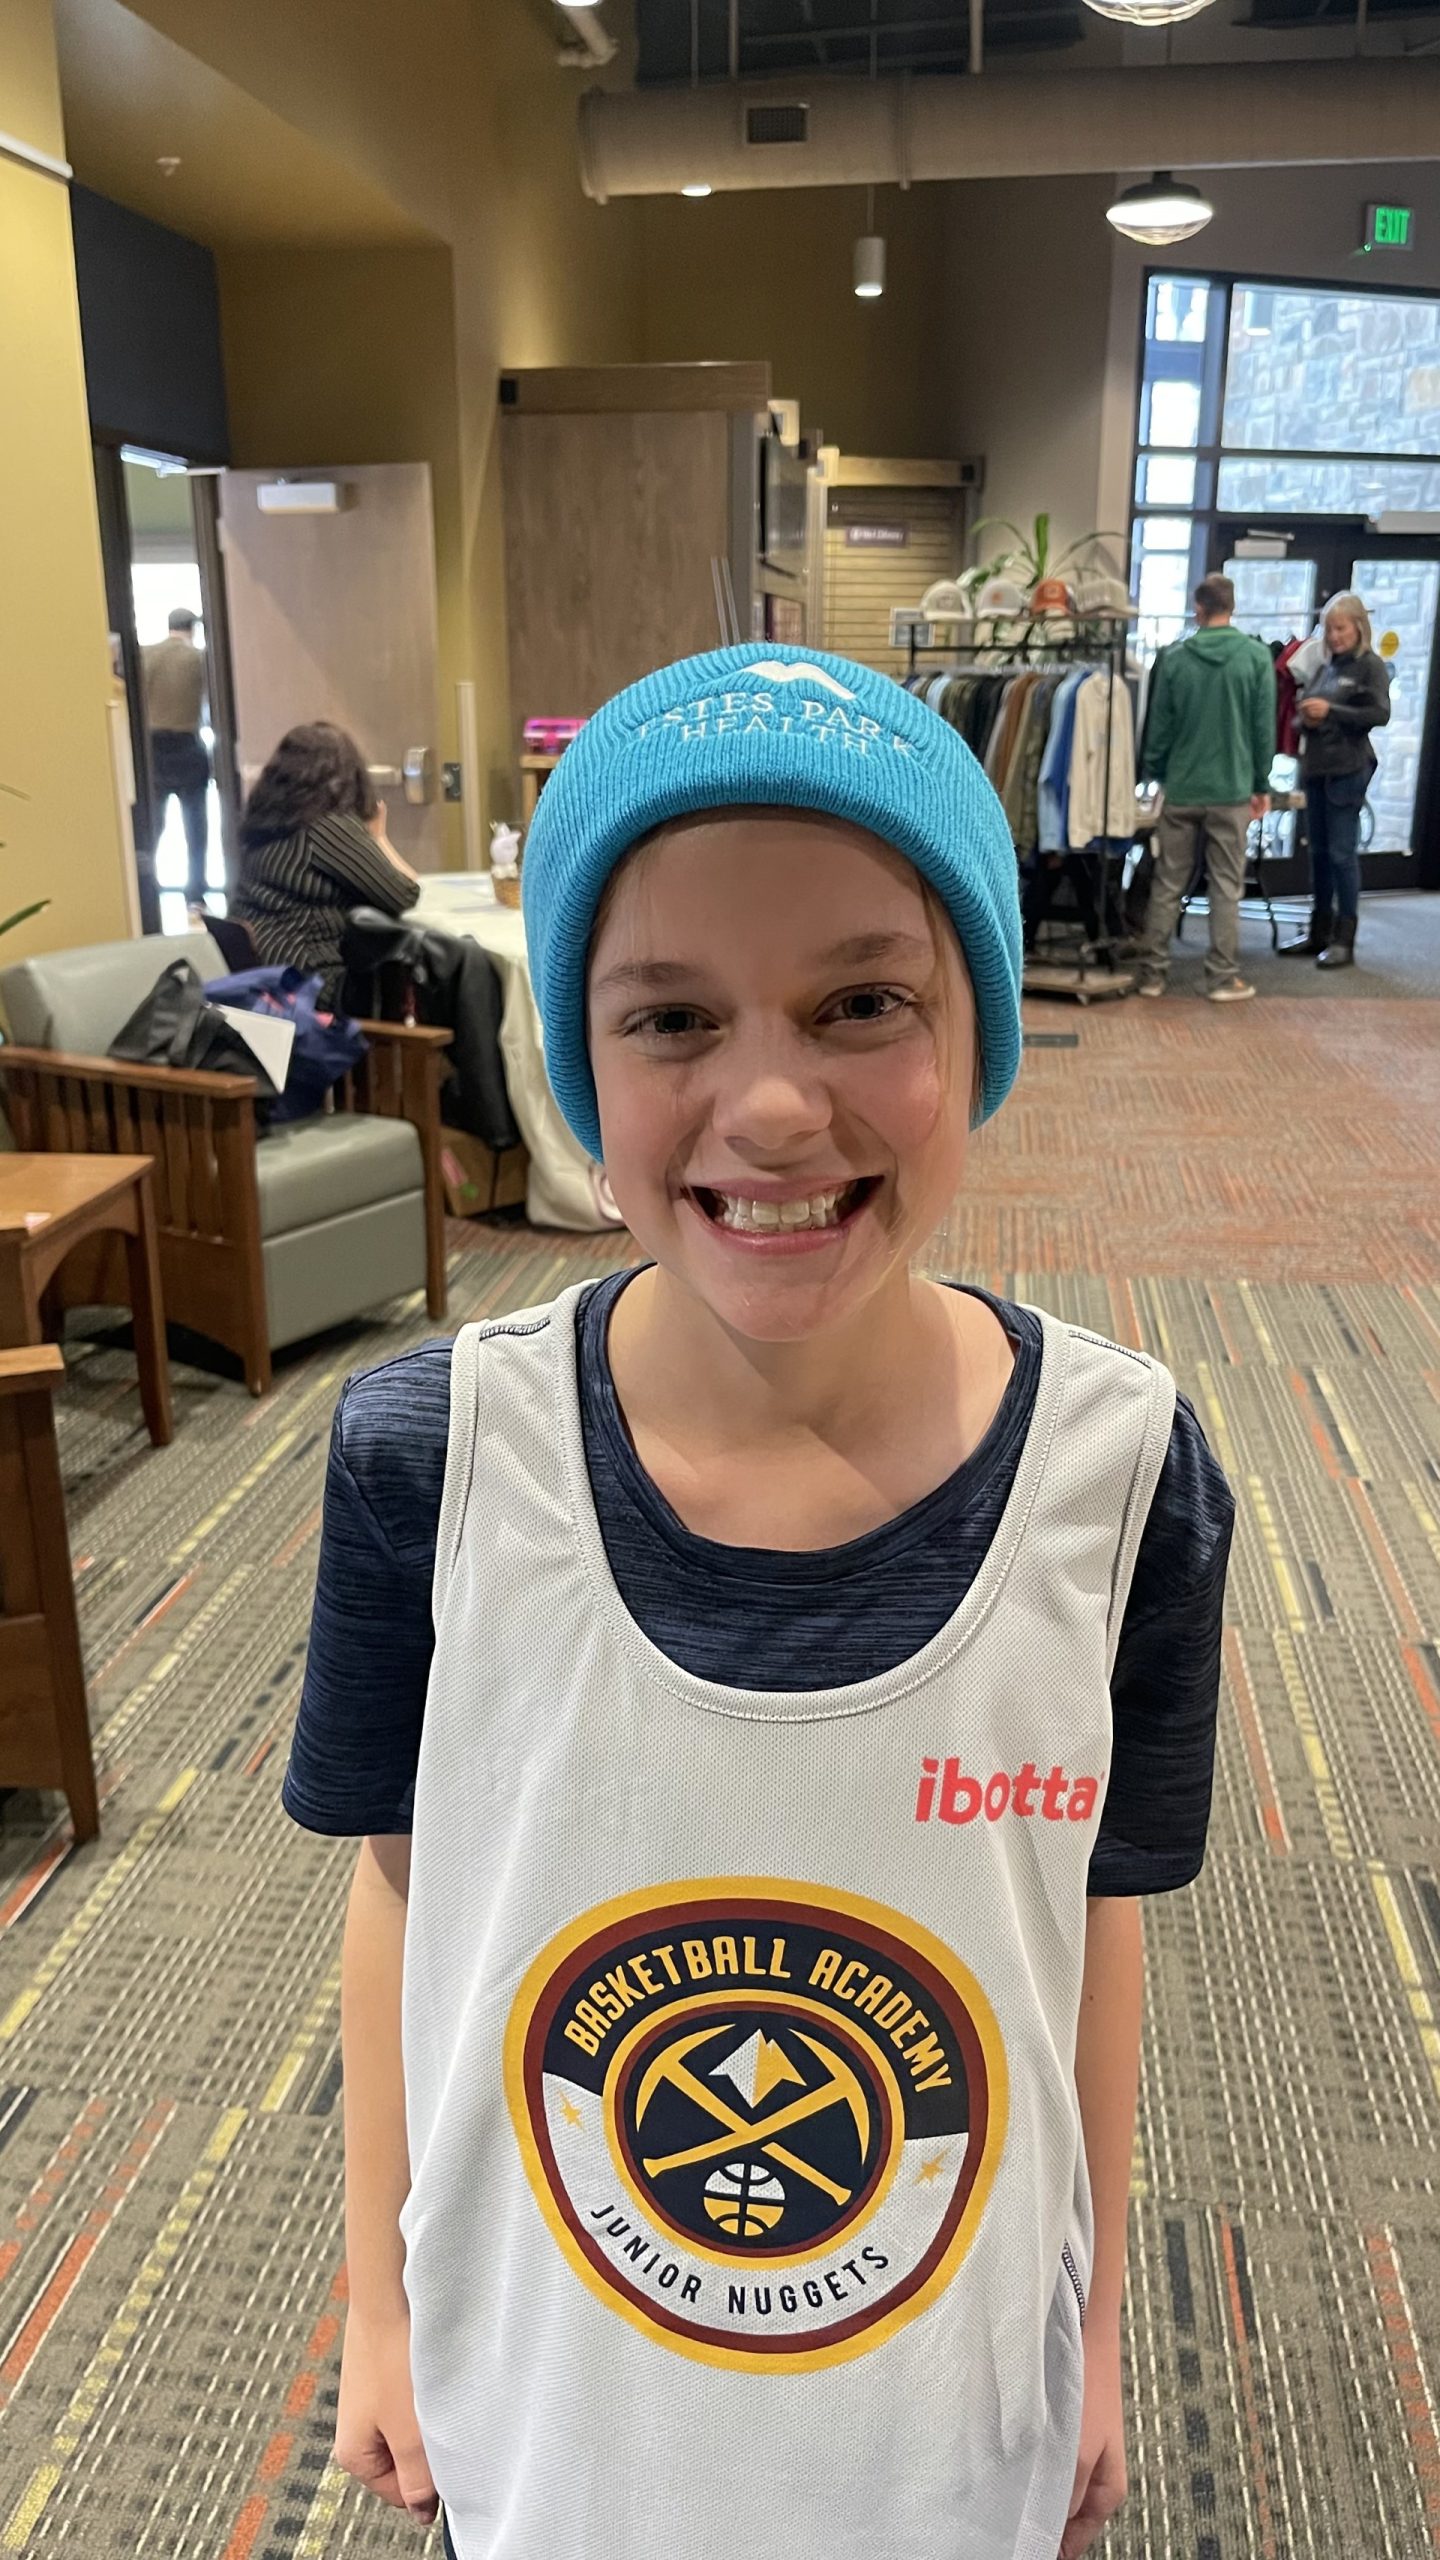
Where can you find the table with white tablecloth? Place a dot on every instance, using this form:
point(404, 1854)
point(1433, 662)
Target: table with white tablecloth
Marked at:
point(564, 1186)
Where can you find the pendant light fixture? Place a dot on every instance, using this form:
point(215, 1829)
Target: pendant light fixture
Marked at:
point(1160, 211)
point(1148, 13)
point(870, 257)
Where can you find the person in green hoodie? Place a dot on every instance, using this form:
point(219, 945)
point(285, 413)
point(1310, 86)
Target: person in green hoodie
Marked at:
point(1210, 740)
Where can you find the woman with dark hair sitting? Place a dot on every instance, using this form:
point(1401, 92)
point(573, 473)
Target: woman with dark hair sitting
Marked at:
point(312, 847)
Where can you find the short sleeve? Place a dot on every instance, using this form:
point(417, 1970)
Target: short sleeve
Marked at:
point(356, 1744)
point(1165, 1690)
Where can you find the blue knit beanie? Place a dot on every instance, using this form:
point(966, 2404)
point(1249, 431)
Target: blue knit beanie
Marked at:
point(766, 726)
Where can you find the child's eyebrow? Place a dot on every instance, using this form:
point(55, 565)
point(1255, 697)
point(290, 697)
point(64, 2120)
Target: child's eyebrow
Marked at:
point(854, 951)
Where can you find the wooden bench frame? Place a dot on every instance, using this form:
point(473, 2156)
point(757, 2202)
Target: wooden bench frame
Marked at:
point(44, 1717)
point(200, 1134)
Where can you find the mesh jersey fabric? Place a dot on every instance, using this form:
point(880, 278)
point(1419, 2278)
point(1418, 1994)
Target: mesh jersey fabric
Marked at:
point(643, 1905)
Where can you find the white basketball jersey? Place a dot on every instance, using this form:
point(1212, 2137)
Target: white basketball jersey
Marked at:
point(749, 2213)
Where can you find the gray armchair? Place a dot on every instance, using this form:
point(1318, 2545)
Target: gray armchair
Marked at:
point(264, 1237)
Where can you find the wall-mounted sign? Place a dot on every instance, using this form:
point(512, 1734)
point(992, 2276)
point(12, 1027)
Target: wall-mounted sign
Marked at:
point(1389, 226)
point(877, 537)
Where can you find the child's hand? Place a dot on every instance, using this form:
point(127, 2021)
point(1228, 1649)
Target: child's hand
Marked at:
point(377, 2435)
point(1100, 2481)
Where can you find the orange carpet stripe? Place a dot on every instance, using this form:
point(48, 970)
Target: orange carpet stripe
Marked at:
point(151, 1618)
point(1217, 1310)
point(247, 2529)
point(298, 1538)
point(279, 2446)
point(1272, 1819)
point(1423, 1685)
point(46, 2311)
point(1380, 1549)
point(50, 2181)
point(17, 1902)
point(1410, 2380)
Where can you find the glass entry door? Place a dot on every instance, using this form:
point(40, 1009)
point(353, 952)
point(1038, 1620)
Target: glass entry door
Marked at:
point(1279, 595)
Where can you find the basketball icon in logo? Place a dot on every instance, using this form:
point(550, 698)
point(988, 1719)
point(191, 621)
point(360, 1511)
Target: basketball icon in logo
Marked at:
point(744, 2199)
point(761, 2119)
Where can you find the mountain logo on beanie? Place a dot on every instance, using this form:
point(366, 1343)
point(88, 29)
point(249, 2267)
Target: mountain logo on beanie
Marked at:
point(775, 671)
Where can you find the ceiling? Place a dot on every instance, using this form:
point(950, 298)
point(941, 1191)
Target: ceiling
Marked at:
point(778, 36)
point(680, 40)
point(246, 177)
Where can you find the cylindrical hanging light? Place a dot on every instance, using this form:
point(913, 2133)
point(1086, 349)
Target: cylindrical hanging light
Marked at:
point(1148, 13)
point(1160, 211)
point(870, 256)
point(870, 267)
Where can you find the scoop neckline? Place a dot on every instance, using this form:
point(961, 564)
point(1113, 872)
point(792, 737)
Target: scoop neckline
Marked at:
point(798, 1706)
point(884, 1544)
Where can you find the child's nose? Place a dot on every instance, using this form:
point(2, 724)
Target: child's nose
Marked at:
point(770, 1093)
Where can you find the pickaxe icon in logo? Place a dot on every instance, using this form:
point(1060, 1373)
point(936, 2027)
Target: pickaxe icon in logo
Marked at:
point(841, 2086)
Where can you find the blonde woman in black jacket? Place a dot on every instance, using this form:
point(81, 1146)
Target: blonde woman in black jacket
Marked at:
point(1347, 697)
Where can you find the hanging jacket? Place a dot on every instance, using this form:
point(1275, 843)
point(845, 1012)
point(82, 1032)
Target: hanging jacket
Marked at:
point(1101, 804)
point(1210, 728)
point(456, 987)
point(1287, 701)
point(1357, 688)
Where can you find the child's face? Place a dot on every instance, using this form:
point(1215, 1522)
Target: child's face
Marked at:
point(777, 1017)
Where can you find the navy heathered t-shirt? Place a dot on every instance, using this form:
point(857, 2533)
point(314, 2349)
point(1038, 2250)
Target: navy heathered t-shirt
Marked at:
point(751, 1617)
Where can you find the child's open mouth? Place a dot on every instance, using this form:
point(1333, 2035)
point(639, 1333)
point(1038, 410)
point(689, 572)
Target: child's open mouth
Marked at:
point(809, 1213)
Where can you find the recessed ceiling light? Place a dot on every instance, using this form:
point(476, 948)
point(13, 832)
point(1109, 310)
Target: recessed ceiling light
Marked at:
point(700, 188)
point(1160, 211)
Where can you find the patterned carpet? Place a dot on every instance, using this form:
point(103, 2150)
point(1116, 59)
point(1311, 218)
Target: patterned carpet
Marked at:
point(1256, 1196)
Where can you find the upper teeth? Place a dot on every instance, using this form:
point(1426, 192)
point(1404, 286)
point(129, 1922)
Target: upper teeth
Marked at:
point(768, 1215)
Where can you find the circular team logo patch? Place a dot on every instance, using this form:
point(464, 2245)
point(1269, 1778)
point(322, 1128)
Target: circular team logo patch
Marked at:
point(761, 2120)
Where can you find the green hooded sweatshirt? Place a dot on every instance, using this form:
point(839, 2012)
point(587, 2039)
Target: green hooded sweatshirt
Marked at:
point(1210, 732)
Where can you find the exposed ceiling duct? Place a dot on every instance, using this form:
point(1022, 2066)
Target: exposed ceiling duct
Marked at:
point(846, 133)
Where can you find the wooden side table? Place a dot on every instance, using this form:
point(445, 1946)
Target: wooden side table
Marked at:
point(44, 1719)
point(49, 1204)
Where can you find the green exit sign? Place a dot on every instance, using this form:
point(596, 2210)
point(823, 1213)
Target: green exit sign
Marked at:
point(1389, 226)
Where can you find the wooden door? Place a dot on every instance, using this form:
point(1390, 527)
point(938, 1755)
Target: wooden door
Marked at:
point(333, 617)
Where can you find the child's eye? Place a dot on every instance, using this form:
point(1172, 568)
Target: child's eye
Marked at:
point(867, 1004)
point(667, 1022)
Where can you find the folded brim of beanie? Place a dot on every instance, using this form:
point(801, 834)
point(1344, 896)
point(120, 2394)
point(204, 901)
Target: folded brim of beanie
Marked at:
point(767, 726)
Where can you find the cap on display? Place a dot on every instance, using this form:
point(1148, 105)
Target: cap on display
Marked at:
point(766, 725)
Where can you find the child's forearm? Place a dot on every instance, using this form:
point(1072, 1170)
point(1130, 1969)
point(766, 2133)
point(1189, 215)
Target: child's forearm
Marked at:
point(377, 2158)
point(1107, 2078)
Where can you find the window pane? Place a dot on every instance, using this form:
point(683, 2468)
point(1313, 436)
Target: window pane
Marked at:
point(1312, 369)
point(1318, 488)
point(1164, 585)
point(1166, 480)
point(1175, 312)
point(1164, 533)
point(1401, 595)
point(1274, 599)
point(1172, 413)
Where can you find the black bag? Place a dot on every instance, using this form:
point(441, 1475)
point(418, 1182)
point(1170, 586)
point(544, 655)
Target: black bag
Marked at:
point(176, 1026)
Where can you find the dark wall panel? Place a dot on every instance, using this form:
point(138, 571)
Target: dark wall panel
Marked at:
point(150, 321)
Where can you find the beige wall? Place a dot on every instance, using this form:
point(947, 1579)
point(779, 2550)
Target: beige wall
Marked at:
point(740, 276)
point(63, 840)
point(459, 113)
point(1027, 307)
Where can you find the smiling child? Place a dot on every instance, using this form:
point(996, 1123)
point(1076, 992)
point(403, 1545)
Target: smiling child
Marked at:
point(762, 1681)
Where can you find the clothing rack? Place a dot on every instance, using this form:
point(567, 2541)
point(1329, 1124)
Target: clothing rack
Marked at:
point(1035, 647)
